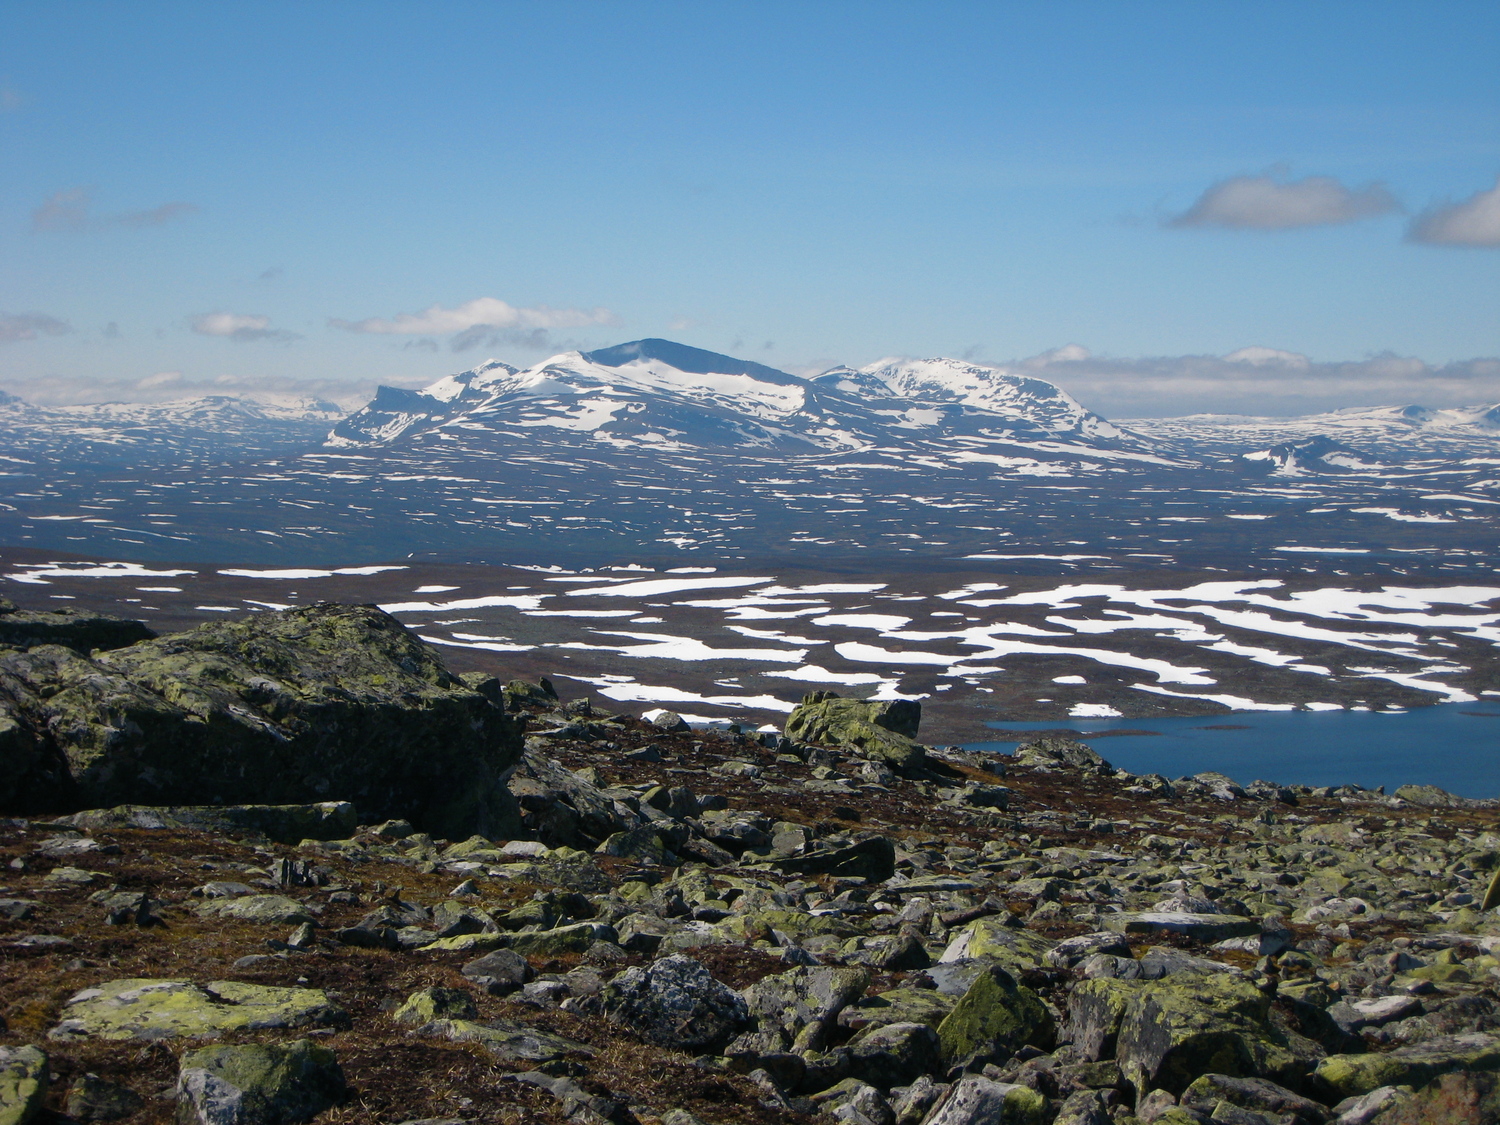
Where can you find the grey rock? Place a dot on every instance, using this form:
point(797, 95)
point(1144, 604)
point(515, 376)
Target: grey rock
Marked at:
point(1256, 1094)
point(975, 1100)
point(675, 1003)
point(895, 1054)
point(500, 972)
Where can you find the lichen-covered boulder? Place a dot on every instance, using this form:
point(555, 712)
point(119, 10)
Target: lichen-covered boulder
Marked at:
point(797, 1010)
point(23, 1084)
point(675, 1003)
point(258, 1084)
point(319, 703)
point(883, 731)
point(428, 1004)
point(995, 1013)
point(1174, 1030)
point(1416, 1064)
point(146, 1008)
point(1062, 754)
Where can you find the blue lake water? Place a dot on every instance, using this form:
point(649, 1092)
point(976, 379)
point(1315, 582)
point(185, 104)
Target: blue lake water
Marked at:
point(1453, 745)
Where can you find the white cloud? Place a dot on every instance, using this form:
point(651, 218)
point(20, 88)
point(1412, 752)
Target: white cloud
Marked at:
point(1471, 222)
point(1068, 353)
point(65, 390)
point(26, 326)
point(1259, 380)
point(233, 326)
point(1261, 203)
point(1257, 356)
point(477, 317)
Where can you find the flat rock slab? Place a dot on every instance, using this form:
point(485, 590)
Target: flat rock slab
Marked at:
point(508, 1042)
point(266, 909)
point(1201, 927)
point(145, 1008)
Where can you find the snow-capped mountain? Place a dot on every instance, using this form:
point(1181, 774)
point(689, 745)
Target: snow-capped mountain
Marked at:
point(212, 425)
point(659, 393)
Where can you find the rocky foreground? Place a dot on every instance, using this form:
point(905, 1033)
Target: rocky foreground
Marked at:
point(663, 924)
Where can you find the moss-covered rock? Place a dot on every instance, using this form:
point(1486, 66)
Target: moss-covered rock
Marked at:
point(564, 939)
point(998, 1013)
point(310, 704)
point(23, 1084)
point(899, 1005)
point(885, 731)
point(1175, 1029)
point(428, 1004)
point(1344, 1076)
point(991, 939)
point(258, 1084)
point(146, 1008)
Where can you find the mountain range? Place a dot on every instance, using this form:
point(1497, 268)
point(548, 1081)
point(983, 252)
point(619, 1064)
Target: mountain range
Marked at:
point(652, 450)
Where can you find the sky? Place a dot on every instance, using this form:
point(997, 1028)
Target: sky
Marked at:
point(320, 197)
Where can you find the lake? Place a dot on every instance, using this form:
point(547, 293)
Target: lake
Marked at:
point(1454, 745)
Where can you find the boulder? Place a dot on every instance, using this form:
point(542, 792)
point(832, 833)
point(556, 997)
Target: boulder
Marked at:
point(145, 1008)
point(23, 1084)
point(881, 731)
point(428, 1004)
point(873, 859)
point(1062, 754)
point(1257, 1095)
point(995, 1014)
point(895, 1054)
point(797, 1009)
point(1173, 1030)
point(1416, 1064)
point(975, 1100)
point(310, 704)
point(674, 1003)
point(499, 973)
point(258, 1084)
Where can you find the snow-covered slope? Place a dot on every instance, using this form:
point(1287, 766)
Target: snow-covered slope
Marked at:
point(993, 390)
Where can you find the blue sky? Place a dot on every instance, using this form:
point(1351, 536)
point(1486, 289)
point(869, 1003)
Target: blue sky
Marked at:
point(297, 195)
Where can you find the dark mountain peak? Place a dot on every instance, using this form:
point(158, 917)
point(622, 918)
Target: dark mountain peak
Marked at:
point(695, 361)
